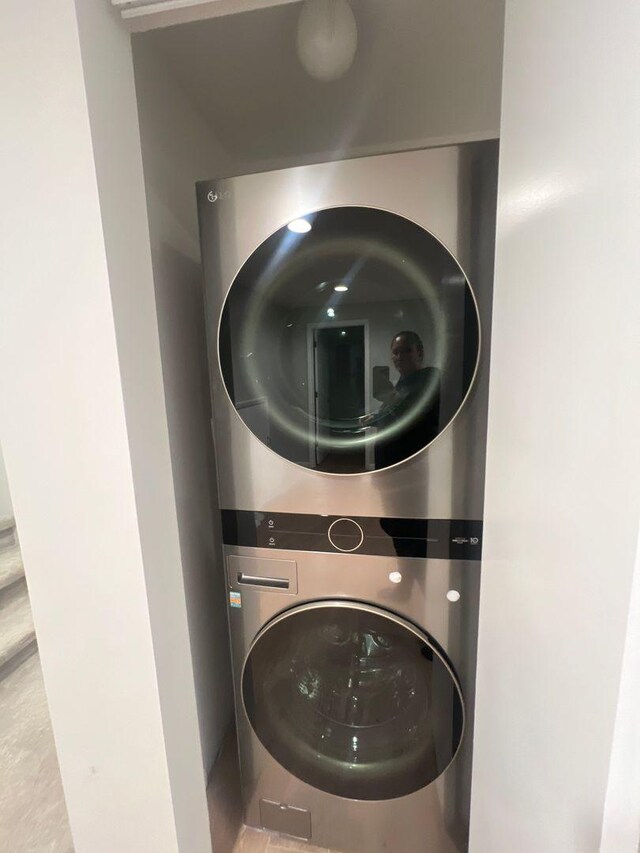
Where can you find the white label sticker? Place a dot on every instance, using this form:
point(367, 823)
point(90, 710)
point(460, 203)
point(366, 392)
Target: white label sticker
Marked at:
point(235, 599)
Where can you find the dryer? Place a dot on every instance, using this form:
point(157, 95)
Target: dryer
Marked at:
point(348, 314)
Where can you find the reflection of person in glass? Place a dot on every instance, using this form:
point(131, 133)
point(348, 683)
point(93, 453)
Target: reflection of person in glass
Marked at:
point(408, 418)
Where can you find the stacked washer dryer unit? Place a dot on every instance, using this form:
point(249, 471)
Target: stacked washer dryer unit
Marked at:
point(348, 311)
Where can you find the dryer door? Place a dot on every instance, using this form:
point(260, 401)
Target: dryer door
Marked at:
point(353, 700)
point(349, 340)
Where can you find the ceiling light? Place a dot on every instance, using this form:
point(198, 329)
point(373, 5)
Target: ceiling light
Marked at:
point(341, 288)
point(331, 312)
point(327, 38)
point(299, 226)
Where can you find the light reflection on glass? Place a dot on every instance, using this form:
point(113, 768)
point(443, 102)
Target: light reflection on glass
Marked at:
point(299, 226)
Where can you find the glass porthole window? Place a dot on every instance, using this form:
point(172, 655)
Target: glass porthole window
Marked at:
point(349, 340)
point(353, 701)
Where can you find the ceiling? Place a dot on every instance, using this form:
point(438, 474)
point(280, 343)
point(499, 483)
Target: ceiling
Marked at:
point(423, 69)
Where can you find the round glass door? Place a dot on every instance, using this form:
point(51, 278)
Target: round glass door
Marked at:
point(349, 340)
point(353, 700)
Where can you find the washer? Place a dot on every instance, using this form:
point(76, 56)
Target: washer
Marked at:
point(354, 686)
point(348, 313)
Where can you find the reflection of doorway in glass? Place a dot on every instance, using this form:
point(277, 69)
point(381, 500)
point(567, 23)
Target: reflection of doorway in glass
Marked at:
point(338, 379)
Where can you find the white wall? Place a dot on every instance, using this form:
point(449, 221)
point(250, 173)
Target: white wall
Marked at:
point(84, 434)
point(563, 492)
point(179, 148)
point(111, 99)
point(6, 508)
point(621, 823)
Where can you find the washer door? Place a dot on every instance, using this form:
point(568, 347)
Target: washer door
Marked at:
point(349, 347)
point(353, 700)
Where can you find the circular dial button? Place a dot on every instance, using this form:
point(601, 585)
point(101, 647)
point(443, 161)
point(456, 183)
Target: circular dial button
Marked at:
point(345, 534)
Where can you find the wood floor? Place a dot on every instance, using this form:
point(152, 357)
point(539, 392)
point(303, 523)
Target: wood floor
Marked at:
point(33, 815)
point(255, 841)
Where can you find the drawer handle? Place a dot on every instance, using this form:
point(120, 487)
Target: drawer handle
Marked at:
point(256, 580)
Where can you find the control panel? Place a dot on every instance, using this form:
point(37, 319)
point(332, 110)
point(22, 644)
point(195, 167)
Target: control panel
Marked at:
point(446, 539)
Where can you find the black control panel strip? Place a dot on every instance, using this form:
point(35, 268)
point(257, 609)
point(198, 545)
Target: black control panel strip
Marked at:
point(437, 538)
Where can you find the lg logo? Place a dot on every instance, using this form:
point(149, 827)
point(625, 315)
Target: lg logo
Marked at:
point(214, 195)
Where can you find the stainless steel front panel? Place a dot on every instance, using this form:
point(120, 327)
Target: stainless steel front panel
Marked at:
point(448, 191)
point(451, 193)
point(434, 817)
